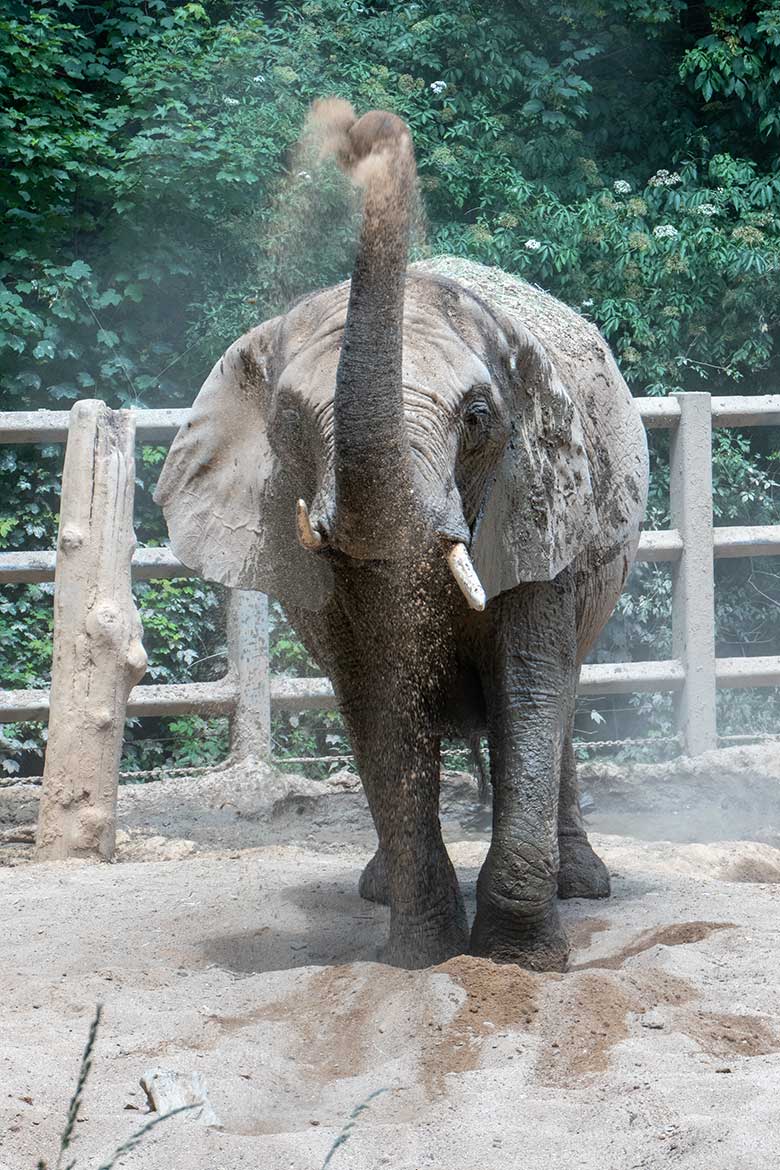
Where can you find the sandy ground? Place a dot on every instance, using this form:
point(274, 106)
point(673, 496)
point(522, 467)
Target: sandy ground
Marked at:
point(230, 942)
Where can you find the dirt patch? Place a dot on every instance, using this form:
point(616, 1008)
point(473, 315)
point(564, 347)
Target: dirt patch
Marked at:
point(504, 995)
point(330, 1020)
point(499, 998)
point(584, 1018)
point(342, 1016)
point(727, 1035)
point(674, 935)
point(586, 1014)
point(574, 1020)
point(581, 931)
point(658, 988)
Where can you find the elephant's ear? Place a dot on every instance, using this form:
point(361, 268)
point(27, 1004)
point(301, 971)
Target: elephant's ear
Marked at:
point(539, 512)
point(228, 500)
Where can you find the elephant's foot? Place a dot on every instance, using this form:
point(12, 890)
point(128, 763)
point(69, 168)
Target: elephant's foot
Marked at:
point(540, 945)
point(582, 873)
point(415, 946)
point(431, 928)
point(373, 881)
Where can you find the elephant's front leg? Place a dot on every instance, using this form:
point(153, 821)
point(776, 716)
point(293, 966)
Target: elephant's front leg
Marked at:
point(399, 767)
point(530, 688)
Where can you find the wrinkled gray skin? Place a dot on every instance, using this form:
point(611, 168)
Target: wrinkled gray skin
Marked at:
point(411, 412)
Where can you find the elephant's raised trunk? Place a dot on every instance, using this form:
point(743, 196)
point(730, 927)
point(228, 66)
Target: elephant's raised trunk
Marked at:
point(375, 506)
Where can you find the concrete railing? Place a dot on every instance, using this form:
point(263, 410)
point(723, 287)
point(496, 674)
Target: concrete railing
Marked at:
point(248, 694)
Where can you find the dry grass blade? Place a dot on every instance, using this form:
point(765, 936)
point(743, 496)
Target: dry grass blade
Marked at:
point(75, 1107)
point(139, 1134)
point(75, 1101)
point(346, 1132)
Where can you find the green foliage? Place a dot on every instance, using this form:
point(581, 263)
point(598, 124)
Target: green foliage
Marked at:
point(622, 154)
point(316, 733)
point(736, 68)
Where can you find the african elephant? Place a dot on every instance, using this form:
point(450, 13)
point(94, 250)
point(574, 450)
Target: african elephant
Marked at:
point(440, 472)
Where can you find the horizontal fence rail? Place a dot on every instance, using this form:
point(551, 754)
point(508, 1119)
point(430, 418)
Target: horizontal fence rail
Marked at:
point(151, 426)
point(692, 675)
point(316, 694)
point(28, 568)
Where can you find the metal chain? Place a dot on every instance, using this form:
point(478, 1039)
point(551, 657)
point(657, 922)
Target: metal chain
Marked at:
point(147, 774)
point(647, 741)
point(174, 770)
point(311, 759)
point(11, 782)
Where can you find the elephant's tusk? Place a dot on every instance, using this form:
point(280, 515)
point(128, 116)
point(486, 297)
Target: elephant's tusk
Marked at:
point(466, 575)
point(310, 539)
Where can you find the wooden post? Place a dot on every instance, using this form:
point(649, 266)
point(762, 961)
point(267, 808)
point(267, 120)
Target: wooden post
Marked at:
point(693, 582)
point(250, 725)
point(98, 655)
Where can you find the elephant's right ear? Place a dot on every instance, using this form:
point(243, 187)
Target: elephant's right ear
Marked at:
point(228, 500)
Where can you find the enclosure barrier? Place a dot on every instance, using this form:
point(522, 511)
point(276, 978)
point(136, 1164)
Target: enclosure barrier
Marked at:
point(248, 695)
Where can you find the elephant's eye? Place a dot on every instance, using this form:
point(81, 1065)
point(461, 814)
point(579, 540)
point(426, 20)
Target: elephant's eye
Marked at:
point(476, 421)
point(287, 430)
point(287, 418)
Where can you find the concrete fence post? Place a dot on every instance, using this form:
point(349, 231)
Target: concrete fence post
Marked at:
point(693, 584)
point(248, 654)
point(98, 655)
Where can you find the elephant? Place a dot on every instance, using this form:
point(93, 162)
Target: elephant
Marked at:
point(441, 474)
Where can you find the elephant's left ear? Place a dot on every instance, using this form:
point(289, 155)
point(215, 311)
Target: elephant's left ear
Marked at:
point(228, 500)
point(540, 511)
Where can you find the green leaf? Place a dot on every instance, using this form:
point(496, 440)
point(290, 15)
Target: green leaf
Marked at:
point(78, 270)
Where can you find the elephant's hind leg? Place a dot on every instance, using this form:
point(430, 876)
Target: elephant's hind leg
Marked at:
point(373, 884)
point(582, 873)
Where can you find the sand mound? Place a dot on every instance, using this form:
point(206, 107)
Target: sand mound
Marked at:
point(248, 961)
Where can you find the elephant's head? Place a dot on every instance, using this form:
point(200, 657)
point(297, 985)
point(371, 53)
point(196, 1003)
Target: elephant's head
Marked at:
point(397, 408)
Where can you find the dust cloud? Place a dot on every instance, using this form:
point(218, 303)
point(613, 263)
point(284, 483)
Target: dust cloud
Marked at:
point(732, 794)
point(307, 235)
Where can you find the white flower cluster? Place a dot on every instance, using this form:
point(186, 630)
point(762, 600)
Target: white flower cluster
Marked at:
point(707, 209)
point(665, 231)
point(664, 179)
point(438, 87)
point(532, 245)
point(621, 187)
point(231, 101)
